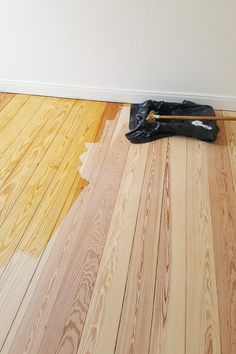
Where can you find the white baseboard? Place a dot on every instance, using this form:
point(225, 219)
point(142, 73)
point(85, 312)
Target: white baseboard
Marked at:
point(113, 95)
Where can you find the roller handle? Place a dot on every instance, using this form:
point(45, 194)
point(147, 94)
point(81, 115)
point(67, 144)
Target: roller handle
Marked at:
point(152, 116)
point(196, 117)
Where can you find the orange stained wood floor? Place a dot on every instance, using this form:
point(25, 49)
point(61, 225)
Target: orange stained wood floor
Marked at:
point(110, 247)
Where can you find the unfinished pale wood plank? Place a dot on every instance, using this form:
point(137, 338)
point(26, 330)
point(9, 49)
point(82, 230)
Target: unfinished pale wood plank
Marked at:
point(100, 330)
point(230, 130)
point(11, 109)
point(5, 98)
point(136, 318)
point(19, 163)
point(10, 131)
point(202, 319)
point(168, 326)
point(223, 206)
point(67, 270)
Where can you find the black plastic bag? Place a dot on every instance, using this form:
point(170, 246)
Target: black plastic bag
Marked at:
point(141, 131)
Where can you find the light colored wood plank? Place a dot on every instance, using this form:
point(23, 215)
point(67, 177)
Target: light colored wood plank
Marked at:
point(10, 131)
point(100, 329)
point(202, 319)
point(223, 206)
point(21, 214)
point(48, 113)
point(168, 326)
point(11, 109)
point(230, 131)
point(68, 268)
point(59, 188)
point(48, 297)
point(21, 160)
point(136, 318)
point(5, 98)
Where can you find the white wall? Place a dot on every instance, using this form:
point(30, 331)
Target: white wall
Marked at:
point(120, 49)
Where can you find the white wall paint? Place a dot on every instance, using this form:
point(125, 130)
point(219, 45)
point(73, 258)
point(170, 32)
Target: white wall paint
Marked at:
point(130, 46)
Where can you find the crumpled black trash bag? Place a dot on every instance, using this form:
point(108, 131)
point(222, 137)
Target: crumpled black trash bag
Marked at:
point(142, 132)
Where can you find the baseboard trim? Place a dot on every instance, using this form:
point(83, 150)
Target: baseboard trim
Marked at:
point(113, 95)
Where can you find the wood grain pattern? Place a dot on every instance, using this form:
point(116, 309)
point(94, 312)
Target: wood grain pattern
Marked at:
point(11, 109)
point(93, 158)
point(19, 165)
point(142, 262)
point(94, 224)
point(10, 129)
point(170, 301)
point(32, 238)
point(14, 227)
point(110, 112)
point(202, 320)
point(99, 334)
point(223, 205)
point(72, 252)
point(5, 98)
point(135, 323)
point(230, 131)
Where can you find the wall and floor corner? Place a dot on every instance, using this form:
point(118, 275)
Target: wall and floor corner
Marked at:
point(127, 50)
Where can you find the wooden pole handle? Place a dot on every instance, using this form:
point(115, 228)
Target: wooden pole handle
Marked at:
point(152, 116)
point(194, 117)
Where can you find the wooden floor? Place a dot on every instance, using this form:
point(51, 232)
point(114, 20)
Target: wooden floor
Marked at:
point(111, 247)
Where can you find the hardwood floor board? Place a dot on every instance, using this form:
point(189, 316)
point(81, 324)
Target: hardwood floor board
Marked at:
point(111, 111)
point(36, 234)
point(100, 329)
point(108, 247)
point(33, 130)
point(11, 109)
point(19, 164)
point(169, 310)
point(76, 189)
point(23, 210)
point(12, 129)
point(202, 319)
point(94, 225)
point(94, 154)
point(223, 206)
point(5, 98)
point(68, 268)
point(135, 324)
point(59, 188)
point(230, 131)
point(91, 159)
